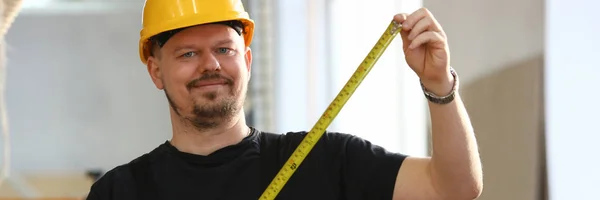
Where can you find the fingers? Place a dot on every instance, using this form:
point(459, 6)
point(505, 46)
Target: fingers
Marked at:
point(421, 26)
point(415, 17)
point(418, 25)
point(422, 14)
point(400, 18)
point(432, 38)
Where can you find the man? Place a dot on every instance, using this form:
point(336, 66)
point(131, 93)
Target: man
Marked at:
point(198, 52)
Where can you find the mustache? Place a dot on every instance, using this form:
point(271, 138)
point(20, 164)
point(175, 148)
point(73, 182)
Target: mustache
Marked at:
point(209, 77)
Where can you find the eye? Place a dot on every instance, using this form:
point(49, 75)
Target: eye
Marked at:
point(224, 50)
point(189, 54)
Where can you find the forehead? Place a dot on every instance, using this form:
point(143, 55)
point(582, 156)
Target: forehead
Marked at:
point(206, 34)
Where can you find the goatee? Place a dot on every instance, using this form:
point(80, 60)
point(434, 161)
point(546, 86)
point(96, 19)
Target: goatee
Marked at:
point(210, 115)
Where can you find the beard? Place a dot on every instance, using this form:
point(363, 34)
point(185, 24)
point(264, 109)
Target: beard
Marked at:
point(212, 113)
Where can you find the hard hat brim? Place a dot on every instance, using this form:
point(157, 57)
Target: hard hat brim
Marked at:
point(149, 31)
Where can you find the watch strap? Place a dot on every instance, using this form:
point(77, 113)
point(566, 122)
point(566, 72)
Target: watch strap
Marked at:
point(443, 99)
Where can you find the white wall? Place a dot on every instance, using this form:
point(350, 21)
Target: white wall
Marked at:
point(572, 80)
point(488, 36)
point(388, 108)
point(290, 68)
point(78, 97)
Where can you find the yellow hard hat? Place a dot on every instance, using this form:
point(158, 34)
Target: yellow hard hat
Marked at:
point(163, 15)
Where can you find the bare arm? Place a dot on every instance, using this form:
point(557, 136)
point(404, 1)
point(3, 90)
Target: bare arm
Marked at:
point(455, 165)
point(454, 169)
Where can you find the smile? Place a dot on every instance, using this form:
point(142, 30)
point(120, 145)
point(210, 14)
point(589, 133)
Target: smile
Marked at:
point(210, 83)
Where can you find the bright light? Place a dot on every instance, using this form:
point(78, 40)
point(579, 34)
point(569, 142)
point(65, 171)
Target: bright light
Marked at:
point(35, 3)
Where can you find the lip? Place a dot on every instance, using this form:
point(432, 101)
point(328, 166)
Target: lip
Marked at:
point(210, 83)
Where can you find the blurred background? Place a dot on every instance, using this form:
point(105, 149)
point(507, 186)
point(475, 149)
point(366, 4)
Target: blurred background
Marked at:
point(80, 102)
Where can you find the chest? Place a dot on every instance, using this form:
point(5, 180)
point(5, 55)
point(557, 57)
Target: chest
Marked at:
point(247, 179)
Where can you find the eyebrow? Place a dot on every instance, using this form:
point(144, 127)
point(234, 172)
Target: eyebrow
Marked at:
point(191, 46)
point(224, 41)
point(186, 46)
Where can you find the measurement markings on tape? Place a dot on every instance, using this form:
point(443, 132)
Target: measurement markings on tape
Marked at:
point(327, 117)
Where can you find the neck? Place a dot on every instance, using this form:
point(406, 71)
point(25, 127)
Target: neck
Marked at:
point(187, 138)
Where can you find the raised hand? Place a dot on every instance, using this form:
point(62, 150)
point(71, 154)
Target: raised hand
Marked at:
point(426, 50)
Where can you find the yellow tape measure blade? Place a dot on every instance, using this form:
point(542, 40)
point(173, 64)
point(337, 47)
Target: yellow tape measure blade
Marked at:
point(314, 135)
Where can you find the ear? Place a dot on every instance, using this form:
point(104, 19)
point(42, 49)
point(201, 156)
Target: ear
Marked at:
point(155, 72)
point(248, 57)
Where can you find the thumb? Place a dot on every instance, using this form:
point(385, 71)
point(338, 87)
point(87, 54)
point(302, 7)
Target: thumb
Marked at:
point(400, 18)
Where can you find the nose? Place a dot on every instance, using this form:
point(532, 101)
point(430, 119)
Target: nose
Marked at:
point(209, 62)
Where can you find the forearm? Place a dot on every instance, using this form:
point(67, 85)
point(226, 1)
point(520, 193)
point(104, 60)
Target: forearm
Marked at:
point(455, 164)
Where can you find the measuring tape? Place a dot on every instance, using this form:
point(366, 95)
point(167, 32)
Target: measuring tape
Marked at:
point(334, 108)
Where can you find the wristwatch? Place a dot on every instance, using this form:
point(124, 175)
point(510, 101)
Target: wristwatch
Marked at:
point(444, 99)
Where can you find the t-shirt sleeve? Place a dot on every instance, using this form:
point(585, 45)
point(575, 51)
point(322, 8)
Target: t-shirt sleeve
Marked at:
point(368, 171)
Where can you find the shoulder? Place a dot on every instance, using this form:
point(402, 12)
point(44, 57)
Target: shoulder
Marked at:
point(367, 169)
point(294, 138)
point(106, 185)
point(352, 147)
point(121, 180)
point(282, 145)
point(297, 136)
point(339, 142)
point(119, 175)
point(329, 138)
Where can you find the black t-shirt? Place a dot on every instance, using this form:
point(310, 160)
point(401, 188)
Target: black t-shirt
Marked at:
point(340, 166)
